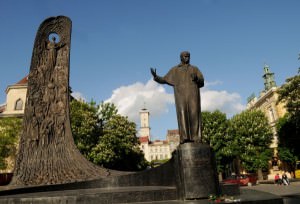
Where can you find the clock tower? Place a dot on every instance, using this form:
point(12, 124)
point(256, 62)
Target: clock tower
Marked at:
point(145, 129)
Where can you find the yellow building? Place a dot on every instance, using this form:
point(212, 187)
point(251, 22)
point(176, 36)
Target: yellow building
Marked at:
point(267, 103)
point(15, 99)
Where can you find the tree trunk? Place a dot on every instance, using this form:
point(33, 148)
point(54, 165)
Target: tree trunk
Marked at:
point(260, 174)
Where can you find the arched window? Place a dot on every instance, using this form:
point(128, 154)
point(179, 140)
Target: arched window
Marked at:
point(19, 104)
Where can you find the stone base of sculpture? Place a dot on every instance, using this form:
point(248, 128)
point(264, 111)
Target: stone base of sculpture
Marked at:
point(196, 169)
point(189, 177)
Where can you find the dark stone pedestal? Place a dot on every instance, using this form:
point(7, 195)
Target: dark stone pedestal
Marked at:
point(197, 176)
point(188, 178)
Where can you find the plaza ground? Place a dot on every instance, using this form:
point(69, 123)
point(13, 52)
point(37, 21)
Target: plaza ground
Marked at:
point(290, 193)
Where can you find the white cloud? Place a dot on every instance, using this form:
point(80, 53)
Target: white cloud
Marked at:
point(78, 96)
point(212, 83)
point(229, 103)
point(130, 99)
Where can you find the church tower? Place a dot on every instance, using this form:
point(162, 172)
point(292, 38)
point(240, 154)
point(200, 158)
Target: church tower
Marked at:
point(145, 129)
point(268, 78)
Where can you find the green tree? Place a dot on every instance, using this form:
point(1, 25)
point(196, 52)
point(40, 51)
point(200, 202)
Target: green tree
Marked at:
point(215, 125)
point(289, 93)
point(288, 140)
point(288, 127)
point(118, 146)
point(105, 112)
point(251, 135)
point(105, 137)
point(288, 157)
point(10, 129)
point(85, 125)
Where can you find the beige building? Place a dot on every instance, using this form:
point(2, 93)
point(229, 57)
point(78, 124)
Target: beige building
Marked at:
point(15, 99)
point(173, 139)
point(153, 150)
point(267, 103)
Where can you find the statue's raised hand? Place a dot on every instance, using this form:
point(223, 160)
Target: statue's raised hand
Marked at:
point(153, 72)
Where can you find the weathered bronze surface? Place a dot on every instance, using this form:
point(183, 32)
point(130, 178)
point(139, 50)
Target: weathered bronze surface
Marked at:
point(186, 80)
point(47, 153)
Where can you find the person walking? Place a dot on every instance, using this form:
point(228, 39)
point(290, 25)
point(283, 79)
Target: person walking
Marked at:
point(285, 179)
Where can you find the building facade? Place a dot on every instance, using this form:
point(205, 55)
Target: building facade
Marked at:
point(173, 139)
point(15, 99)
point(153, 150)
point(267, 103)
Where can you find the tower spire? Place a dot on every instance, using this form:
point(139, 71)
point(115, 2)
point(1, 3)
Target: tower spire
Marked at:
point(268, 77)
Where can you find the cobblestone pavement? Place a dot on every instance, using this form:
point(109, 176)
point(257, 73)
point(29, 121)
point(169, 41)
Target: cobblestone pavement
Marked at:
point(280, 190)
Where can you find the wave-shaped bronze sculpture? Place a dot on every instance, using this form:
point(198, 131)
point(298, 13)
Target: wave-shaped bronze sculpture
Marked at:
point(47, 153)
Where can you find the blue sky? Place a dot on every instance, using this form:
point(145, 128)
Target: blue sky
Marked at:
point(114, 44)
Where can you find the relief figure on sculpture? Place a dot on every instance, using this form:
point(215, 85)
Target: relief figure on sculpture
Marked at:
point(52, 47)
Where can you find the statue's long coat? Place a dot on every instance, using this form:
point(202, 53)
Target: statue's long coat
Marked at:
point(187, 99)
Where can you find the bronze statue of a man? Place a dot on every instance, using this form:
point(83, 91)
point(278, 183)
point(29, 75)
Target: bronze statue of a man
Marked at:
point(186, 80)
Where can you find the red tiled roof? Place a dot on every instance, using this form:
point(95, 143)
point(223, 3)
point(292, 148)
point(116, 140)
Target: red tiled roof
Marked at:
point(23, 81)
point(173, 132)
point(144, 139)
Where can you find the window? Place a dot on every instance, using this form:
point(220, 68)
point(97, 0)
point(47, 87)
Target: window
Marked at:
point(272, 114)
point(19, 104)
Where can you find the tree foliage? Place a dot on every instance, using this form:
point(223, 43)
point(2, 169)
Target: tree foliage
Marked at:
point(105, 112)
point(288, 140)
point(10, 129)
point(289, 93)
point(84, 125)
point(215, 126)
point(105, 137)
point(118, 146)
point(288, 127)
point(288, 156)
point(251, 136)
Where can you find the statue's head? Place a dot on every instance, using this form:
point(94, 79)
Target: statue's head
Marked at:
point(185, 57)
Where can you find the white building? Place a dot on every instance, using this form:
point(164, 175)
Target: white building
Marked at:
point(153, 150)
